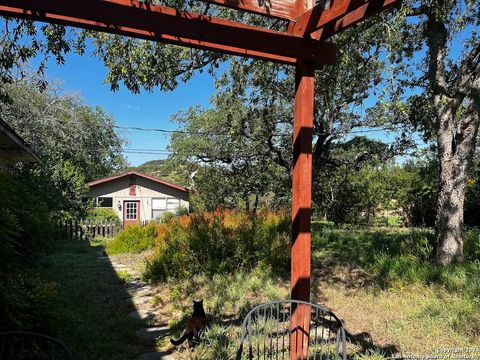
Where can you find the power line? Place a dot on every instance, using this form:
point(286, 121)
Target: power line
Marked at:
point(167, 131)
point(146, 152)
point(156, 150)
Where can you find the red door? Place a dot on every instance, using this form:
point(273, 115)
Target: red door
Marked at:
point(131, 212)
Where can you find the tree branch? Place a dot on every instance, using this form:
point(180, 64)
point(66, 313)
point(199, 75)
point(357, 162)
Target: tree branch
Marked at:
point(436, 39)
point(469, 74)
point(421, 10)
point(279, 159)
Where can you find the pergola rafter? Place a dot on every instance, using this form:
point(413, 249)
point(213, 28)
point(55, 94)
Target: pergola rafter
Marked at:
point(302, 45)
point(168, 25)
point(279, 9)
point(339, 16)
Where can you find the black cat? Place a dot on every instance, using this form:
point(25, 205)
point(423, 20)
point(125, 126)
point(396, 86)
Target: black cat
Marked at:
point(194, 325)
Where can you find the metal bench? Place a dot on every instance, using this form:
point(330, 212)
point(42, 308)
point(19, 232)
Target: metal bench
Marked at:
point(276, 329)
point(26, 345)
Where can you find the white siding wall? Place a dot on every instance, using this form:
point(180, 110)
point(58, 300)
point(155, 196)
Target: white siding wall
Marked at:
point(146, 191)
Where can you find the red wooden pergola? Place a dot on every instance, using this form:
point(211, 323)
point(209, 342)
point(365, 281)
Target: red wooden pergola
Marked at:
point(303, 45)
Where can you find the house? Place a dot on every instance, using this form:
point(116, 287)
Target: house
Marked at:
point(137, 197)
point(13, 148)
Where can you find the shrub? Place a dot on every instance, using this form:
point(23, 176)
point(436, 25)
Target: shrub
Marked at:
point(165, 217)
point(103, 214)
point(322, 226)
point(219, 242)
point(181, 211)
point(25, 226)
point(471, 244)
point(26, 301)
point(134, 238)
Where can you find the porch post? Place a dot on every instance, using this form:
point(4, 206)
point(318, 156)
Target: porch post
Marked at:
point(301, 207)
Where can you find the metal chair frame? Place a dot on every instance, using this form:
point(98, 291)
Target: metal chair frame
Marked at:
point(12, 353)
point(273, 342)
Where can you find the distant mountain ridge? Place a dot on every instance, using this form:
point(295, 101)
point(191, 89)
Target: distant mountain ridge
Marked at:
point(165, 169)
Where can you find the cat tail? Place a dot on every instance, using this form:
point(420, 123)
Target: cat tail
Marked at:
point(182, 339)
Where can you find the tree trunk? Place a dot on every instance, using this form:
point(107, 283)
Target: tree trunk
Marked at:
point(456, 146)
point(456, 126)
point(450, 215)
point(255, 204)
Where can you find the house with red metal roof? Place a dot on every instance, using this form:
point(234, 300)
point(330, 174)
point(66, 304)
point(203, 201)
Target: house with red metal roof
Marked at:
point(137, 197)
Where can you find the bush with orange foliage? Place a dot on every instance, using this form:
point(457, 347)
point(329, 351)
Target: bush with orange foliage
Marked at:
point(219, 242)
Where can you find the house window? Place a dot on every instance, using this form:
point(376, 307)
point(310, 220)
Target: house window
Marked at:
point(131, 210)
point(173, 204)
point(159, 206)
point(105, 202)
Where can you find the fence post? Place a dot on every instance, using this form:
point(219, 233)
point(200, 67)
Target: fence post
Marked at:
point(85, 230)
point(75, 230)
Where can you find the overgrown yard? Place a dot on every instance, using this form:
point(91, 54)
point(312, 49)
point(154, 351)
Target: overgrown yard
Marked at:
point(382, 284)
point(379, 281)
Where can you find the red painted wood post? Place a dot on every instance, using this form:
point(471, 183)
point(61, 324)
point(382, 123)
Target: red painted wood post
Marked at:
point(301, 208)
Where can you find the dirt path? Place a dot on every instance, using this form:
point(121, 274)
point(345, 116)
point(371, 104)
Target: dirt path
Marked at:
point(147, 308)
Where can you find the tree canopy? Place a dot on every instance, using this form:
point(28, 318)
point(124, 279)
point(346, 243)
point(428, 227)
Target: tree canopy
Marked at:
point(75, 143)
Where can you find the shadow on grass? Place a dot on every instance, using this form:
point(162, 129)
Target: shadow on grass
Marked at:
point(373, 257)
point(90, 313)
point(366, 345)
point(356, 258)
point(362, 341)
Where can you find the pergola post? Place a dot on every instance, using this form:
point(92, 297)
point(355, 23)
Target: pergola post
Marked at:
point(301, 207)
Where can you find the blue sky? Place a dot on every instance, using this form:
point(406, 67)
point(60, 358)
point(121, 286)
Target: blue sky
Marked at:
point(85, 75)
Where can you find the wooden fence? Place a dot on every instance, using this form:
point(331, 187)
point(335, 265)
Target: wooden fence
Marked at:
point(69, 230)
point(88, 229)
point(108, 229)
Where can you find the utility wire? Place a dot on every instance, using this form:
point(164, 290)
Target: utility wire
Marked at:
point(166, 131)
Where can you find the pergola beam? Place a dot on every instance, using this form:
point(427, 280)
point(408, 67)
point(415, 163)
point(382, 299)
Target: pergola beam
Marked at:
point(280, 9)
point(168, 25)
point(340, 15)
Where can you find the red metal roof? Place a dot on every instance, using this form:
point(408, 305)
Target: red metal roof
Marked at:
point(139, 174)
